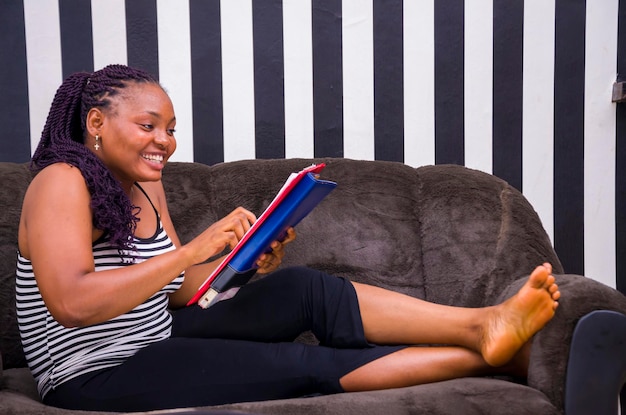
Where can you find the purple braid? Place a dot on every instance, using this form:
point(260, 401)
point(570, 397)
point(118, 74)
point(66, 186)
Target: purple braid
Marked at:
point(63, 141)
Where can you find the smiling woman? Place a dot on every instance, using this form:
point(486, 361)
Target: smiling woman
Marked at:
point(107, 304)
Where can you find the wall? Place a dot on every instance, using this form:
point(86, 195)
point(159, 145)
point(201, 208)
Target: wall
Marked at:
point(520, 89)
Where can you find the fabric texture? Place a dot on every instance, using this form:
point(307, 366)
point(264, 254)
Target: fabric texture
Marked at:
point(444, 233)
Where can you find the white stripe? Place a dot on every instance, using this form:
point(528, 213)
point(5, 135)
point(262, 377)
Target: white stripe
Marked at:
point(238, 79)
point(358, 78)
point(538, 109)
point(175, 70)
point(108, 19)
point(599, 160)
point(43, 54)
point(298, 50)
point(419, 82)
point(478, 81)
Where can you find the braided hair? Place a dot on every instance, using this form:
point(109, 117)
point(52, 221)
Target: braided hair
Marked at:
point(63, 141)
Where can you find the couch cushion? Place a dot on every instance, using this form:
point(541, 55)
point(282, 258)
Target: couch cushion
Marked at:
point(467, 396)
point(460, 396)
point(478, 234)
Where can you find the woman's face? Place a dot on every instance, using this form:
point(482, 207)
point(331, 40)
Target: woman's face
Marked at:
point(137, 133)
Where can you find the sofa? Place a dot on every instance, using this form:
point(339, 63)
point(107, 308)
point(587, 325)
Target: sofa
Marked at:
point(444, 233)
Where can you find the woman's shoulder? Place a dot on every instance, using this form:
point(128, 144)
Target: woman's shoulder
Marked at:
point(54, 192)
point(58, 179)
point(58, 170)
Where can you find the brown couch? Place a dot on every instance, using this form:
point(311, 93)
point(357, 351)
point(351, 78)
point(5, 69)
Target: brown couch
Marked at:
point(448, 234)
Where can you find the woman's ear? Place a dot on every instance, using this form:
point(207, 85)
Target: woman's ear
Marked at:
point(94, 121)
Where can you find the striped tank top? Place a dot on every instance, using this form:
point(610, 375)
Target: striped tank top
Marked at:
point(56, 354)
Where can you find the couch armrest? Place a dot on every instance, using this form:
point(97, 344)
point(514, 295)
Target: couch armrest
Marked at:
point(549, 358)
point(597, 364)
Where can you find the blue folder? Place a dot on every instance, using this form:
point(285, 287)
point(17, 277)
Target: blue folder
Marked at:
point(300, 195)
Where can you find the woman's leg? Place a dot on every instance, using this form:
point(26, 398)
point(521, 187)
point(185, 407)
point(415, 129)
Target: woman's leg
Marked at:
point(419, 365)
point(497, 332)
point(283, 305)
point(491, 340)
point(486, 337)
point(188, 372)
point(280, 307)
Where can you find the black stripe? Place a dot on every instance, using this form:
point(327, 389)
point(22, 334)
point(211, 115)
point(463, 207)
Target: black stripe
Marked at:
point(388, 80)
point(569, 106)
point(620, 161)
point(449, 83)
point(269, 98)
point(15, 141)
point(206, 80)
point(508, 53)
point(620, 178)
point(76, 36)
point(327, 78)
point(142, 35)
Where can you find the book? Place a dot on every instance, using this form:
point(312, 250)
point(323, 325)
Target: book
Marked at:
point(298, 196)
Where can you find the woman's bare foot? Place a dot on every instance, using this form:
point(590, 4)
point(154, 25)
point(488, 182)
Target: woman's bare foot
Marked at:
point(515, 321)
point(518, 365)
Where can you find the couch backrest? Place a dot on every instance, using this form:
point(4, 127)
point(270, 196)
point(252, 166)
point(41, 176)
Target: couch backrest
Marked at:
point(15, 179)
point(443, 233)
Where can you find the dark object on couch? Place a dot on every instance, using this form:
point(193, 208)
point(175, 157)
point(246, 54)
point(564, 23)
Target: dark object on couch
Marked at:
point(447, 234)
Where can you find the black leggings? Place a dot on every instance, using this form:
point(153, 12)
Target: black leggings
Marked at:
point(239, 350)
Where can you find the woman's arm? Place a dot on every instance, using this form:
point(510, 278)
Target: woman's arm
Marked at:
point(197, 274)
point(56, 234)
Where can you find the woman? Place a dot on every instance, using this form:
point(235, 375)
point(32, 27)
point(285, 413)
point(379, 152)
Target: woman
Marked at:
point(100, 265)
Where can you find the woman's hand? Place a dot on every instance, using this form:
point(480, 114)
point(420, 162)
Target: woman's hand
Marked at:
point(195, 275)
point(269, 261)
point(222, 234)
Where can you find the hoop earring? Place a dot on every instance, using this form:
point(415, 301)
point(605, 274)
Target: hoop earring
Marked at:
point(97, 146)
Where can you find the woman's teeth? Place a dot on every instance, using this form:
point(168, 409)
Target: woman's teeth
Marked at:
point(153, 157)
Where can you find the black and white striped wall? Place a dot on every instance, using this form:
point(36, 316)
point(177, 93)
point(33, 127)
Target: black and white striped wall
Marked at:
point(520, 89)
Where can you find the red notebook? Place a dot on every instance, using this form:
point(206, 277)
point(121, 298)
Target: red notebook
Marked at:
point(297, 198)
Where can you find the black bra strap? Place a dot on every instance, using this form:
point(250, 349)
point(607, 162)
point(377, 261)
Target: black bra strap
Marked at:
point(147, 197)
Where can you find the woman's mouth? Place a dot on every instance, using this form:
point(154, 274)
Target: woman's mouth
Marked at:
point(155, 158)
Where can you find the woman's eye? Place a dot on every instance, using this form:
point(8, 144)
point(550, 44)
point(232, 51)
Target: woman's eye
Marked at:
point(147, 126)
point(171, 131)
